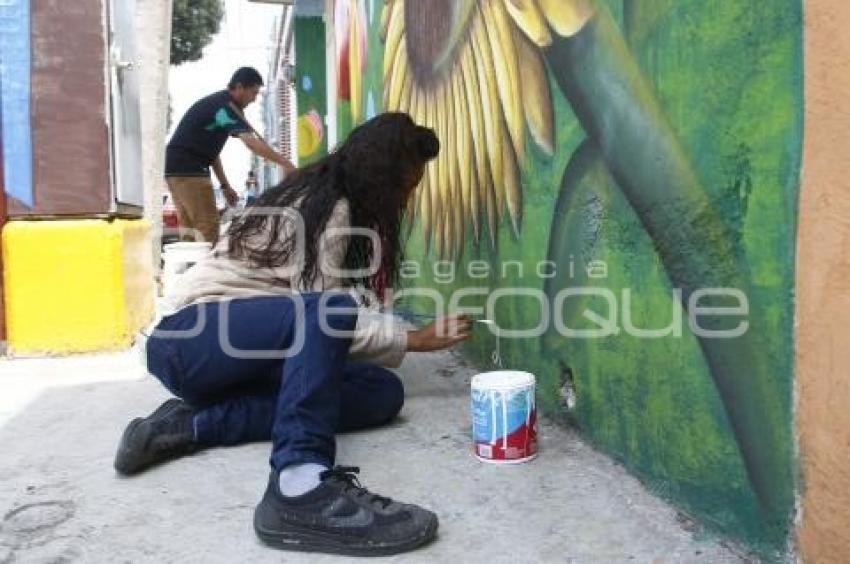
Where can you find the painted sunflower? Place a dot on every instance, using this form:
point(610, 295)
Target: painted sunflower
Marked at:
point(473, 71)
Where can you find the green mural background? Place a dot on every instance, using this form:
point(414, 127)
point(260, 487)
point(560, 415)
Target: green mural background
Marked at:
point(727, 75)
point(311, 88)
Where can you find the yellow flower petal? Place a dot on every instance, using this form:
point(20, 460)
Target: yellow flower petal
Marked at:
point(464, 149)
point(527, 15)
point(433, 120)
point(395, 81)
point(513, 188)
point(394, 35)
point(443, 187)
point(476, 128)
point(500, 33)
point(354, 60)
point(492, 210)
point(455, 188)
point(567, 17)
point(536, 97)
point(386, 13)
point(493, 117)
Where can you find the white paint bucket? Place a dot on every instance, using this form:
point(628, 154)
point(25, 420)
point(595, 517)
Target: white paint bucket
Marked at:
point(177, 258)
point(504, 416)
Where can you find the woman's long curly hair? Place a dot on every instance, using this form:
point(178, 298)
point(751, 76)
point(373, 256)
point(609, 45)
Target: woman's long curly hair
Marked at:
point(374, 170)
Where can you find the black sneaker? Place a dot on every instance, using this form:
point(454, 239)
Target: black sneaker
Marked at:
point(165, 434)
point(340, 516)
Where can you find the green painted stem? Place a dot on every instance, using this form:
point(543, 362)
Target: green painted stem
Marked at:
point(624, 122)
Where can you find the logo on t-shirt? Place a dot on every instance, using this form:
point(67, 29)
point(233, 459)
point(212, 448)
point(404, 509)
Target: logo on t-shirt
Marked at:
point(222, 121)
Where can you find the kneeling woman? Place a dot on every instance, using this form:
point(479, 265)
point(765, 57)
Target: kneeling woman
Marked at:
point(266, 340)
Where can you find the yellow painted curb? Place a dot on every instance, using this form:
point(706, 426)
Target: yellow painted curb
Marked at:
point(76, 285)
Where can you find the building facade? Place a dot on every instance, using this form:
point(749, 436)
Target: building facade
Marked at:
point(77, 265)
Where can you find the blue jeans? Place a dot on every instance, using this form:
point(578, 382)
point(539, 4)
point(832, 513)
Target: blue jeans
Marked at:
point(300, 402)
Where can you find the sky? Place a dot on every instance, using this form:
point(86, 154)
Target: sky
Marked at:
point(245, 39)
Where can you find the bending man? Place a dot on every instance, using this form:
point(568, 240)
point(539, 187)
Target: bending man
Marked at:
point(196, 146)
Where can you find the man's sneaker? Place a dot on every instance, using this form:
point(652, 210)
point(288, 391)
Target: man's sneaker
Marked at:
point(340, 516)
point(165, 434)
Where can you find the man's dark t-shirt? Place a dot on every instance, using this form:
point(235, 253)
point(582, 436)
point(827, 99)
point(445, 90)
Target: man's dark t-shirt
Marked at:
point(201, 134)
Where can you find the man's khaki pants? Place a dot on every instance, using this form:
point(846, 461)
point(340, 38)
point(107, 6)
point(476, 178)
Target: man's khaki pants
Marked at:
point(196, 210)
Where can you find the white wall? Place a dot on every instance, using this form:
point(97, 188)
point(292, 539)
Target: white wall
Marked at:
point(153, 25)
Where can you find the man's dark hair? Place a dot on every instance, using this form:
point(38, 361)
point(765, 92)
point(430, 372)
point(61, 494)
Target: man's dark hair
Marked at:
point(247, 77)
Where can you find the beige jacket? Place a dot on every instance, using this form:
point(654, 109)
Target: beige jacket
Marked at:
point(378, 338)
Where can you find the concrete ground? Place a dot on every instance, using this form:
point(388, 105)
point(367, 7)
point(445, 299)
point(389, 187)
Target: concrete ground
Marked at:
point(60, 500)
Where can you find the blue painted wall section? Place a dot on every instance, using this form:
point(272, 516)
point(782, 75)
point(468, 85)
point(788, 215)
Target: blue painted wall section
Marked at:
point(15, 65)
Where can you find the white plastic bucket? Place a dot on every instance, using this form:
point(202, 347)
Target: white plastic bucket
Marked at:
point(177, 258)
point(504, 416)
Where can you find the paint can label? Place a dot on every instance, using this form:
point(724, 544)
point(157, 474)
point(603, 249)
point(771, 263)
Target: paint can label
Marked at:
point(504, 424)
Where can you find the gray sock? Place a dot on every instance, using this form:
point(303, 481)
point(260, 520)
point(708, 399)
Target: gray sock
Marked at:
point(299, 479)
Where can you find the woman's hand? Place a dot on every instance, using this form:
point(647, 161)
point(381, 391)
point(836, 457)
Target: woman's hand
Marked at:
point(441, 334)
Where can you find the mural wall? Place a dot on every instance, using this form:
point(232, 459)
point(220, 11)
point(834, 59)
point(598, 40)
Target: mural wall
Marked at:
point(311, 89)
point(632, 167)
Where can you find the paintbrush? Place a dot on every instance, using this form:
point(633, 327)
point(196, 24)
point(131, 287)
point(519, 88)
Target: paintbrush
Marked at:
point(411, 315)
